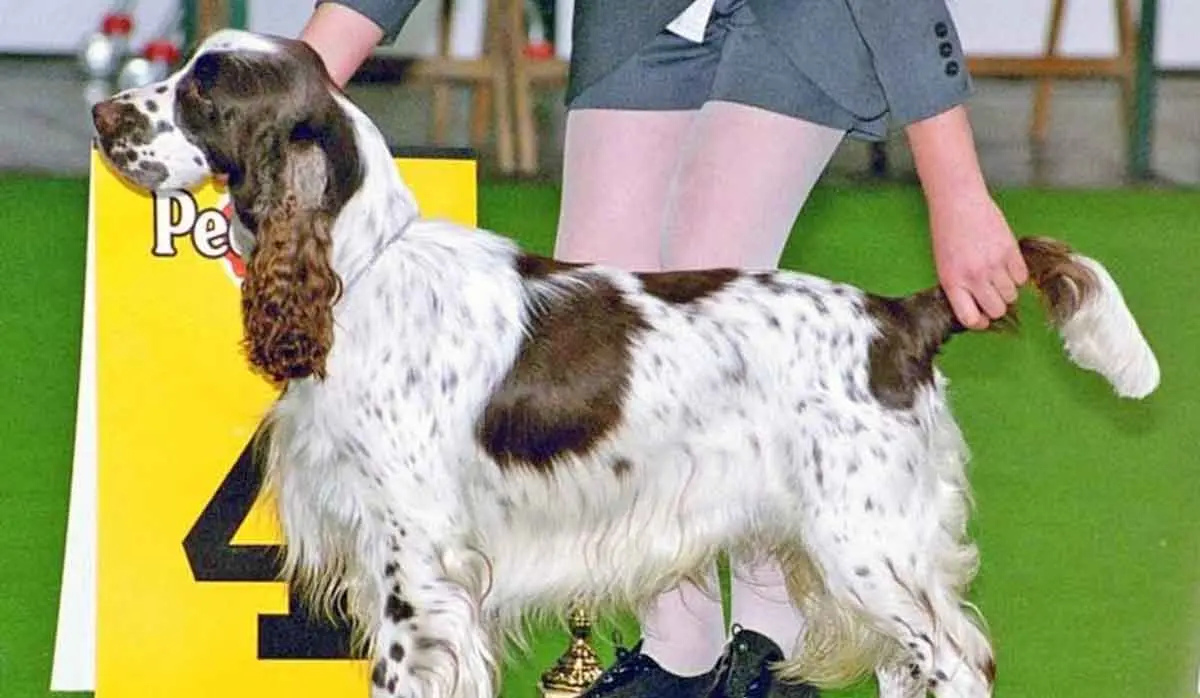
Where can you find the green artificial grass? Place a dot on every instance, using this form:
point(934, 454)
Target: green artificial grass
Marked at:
point(1086, 505)
point(42, 234)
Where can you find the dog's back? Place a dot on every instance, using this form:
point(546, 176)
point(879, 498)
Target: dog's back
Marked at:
point(705, 408)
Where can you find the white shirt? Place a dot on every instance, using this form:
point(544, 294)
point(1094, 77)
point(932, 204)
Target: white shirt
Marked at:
point(690, 23)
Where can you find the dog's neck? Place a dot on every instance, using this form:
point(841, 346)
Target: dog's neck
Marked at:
point(381, 209)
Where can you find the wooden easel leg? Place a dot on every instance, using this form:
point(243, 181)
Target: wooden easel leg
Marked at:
point(440, 108)
point(1126, 59)
point(441, 113)
point(504, 127)
point(1041, 99)
point(481, 113)
point(526, 129)
point(527, 155)
point(481, 117)
point(502, 88)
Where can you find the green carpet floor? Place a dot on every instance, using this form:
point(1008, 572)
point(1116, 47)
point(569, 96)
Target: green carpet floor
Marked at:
point(1087, 506)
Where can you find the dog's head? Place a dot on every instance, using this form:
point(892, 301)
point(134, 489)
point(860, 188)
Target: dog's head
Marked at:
point(261, 113)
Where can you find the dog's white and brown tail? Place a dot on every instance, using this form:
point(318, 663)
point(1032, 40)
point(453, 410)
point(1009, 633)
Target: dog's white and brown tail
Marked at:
point(1087, 308)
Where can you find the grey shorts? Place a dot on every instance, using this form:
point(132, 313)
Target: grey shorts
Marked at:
point(737, 62)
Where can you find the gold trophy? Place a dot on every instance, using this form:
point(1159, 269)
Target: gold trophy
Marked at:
point(579, 667)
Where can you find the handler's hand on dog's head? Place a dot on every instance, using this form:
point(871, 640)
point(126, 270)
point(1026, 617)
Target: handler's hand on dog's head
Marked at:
point(978, 261)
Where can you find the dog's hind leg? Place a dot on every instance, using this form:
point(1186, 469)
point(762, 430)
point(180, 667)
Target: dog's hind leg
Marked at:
point(900, 681)
point(884, 529)
point(430, 642)
point(937, 644)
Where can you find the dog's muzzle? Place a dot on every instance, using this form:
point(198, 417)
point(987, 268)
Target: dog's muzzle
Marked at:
point(120, 120)
point(120, 128)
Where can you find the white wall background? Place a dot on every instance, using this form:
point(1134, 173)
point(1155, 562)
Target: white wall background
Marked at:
point(59, 26)
point(1018, 27)
point(987, 26)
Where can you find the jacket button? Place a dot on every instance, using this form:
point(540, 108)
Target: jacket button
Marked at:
point(952, 68)
point(941, 30)
point(946, 49)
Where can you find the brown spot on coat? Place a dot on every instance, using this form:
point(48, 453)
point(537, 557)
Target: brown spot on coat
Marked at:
point(671, 286)
point(911, 332)
point(687, 286)
point(770, 281)
point(532, 266)
point(566, 388)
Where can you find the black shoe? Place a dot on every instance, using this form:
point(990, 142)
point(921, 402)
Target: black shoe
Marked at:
point(635, 675)
point(747, 671)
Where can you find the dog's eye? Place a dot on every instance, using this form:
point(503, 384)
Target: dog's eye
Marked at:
point(194, 101)
point(303, 132)
point(205, 70)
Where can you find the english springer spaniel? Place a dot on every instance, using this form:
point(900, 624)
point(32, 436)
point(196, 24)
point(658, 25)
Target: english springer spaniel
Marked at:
point(468, 433)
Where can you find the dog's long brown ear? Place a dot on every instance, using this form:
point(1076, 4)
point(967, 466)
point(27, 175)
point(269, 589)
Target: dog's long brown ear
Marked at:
point(290, 286)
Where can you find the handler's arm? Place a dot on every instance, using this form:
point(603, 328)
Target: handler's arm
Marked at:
point(920, 64)
point(917, 55)
point(344, 32)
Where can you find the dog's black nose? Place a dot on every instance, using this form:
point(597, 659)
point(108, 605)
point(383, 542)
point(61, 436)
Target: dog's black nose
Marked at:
point(107, 117)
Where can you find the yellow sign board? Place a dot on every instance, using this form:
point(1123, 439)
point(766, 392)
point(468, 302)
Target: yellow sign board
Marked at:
point(187, 605)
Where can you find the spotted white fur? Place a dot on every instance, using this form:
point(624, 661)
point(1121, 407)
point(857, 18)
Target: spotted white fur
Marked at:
point(748, 423)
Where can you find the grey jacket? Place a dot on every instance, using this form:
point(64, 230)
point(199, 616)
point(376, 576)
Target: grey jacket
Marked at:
point(896, 58)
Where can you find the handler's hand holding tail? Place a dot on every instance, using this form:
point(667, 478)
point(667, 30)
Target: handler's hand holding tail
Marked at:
point(978, 262)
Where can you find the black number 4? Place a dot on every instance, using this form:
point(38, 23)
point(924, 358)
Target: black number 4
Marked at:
point(213, 558)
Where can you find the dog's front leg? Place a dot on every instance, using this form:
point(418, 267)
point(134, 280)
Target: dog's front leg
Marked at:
point(430, 642)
